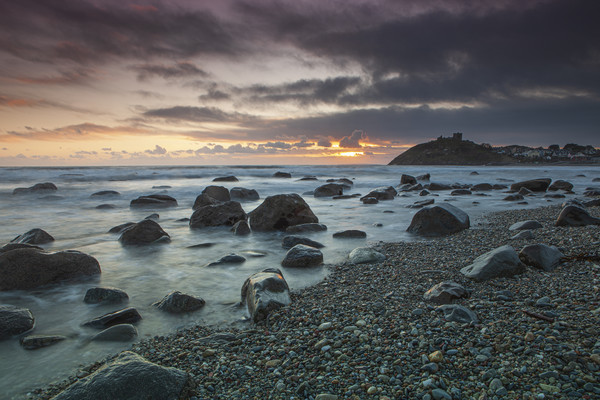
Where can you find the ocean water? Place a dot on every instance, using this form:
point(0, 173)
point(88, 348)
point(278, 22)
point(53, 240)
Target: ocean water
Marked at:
point(150, 272)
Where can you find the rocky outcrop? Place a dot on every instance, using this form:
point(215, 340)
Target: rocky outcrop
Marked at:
point(280, 211)
point(302, 256)
point(329, 190)
point(363, 255)
point(522, 225)
point(144, 232)
point(350, 234)
point(308, 227)
point(34, 342)
point(222, 214)
point(265, 292)
point(154, 200)
point(243, 194)
point(177, 302)
point(541, 256)
point(37, 188)
point(575, 216)
point(217, 192)
point(561, 185)
point(125, 316)
point(229, 178)
point(500, 262)
point(106, 295)
point(291, 240)
point(34, 236)
point(445, 293)
point(128, 376)
point(439, 220)
point(382, 193)
point(535, 185)
point(14, 321)
point(30, 268)
point(117, 333)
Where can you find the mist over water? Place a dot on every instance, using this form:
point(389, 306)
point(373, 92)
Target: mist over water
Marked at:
point(148, 273)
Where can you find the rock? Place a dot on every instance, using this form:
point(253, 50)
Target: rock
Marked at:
point(125, 316)
point(144, 232)
point(154, 217)
point(592, 203)
point(154, 200)
point(30, 268)
point(474, 173)
point(117, 333)
point(329, 190)
point(513, 197)
point(424, 177)
point(408, 179)
point(229, 178)
point(350, 234)
point(280, 174)
point(591, 192)
point(554, 196)
point(369, 200)
point(440, 394)
point(458, 313)
point(264, 292)
point(34, 236)
point(161, 187)
point(14, 321)
point(445, 293)
point(422, 203)
point(522, 225)
point(37, 188)
point(437, 186)
point(482, 187)
point(105, 295)
point(121, 228)
point(239, 193)
point(204, 200)
point(228, 214)
point(535, 185)
point(347, 183)
point(460, 192)
point(302, 256)
point(362, 255)
point(280, 211)
point(217, 192)
point(541, 256)
point(128, 376)
point(525, 192)
point(443, 219)
point(13, 246)
point(500, 262)
point(106, 193)
point(177, 302)
point(382, 193)
point(241, 228)
point(346, 196)
point(34, 342)
point(291, 240)
point(525, 234)
point(575, 216)
point(310, 227)
point(424, 192)
point(228, 259)
point(561, 185)
point(308, 178)
point(106, 207)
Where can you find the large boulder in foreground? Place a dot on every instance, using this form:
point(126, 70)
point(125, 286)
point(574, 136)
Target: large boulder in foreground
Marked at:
point(573, 215)
point(535, 185)
point(500, 262)
point(154, 200)
point(302, 256)
point(278, 212)
point(144, 232)
point(264, 292)
point(541, 256)
point(222, 214)
point(29, 268)
point(34, 236)
point(439, 220)
point(128, 376)
point(14, 321)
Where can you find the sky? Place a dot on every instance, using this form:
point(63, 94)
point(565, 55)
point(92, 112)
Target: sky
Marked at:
point(106, 82)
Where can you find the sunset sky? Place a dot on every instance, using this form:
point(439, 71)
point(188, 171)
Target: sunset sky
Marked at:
point(103, 82)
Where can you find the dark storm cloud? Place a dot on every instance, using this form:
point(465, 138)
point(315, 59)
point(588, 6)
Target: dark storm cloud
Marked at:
point(353, 141)
point(178, 70)
point(196, 114)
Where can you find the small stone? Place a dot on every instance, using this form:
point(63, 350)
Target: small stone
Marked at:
point(529, 337)
point(209, 353)
point(325, 326)
point(549, 388)
point(440, 394)
point(436, 357)
point(326, 396)
point(272, 363)
point(372, 390)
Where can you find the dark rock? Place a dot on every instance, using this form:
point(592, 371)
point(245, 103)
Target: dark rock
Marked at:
point(408, 179)
point(281, 211)
point(309, 227)
point(177, 302)
point(241, 228)
point(14, 321)
point(117, 333)
point(129, 376)
point(329, 190)
point(346, 196)
point(524, 235)
point(201, 245)
point(37, 188)
point(363, 255)
point(239, 193)
point(106, 295)
point(474, 173)
point(13, 246)
point(513, 197)
point(229, 178)
point(205, 200)
point(350, 234)
point(265, 292)
point(460, 192)
point(438, 186)
point(592, 193)
point(308, 178)
point(525, 192)
point(345, 182)
point(144, 232)
point(595, 179)
point(561, 185)
point(443, 219)
point(521, 225)
point(535, 185)
point(424, 192)
point(228, 259)
point(481, 187)
point(554, 196)
point(422, 203)
point(575, 216)
point(458, 313)
point(541, 256)
point(500, 262)
point(445, 293)
point(161, 187)
point(154, 217)
point(227, 214)
point(30, 268)
point(125, 316)
point(183, 220)
point(106, 193)
point(217, 192)
point(34, 236)
point(34, 342)
point(424, 177)
point(302, 256)
point(154, 200)
point(106, 207)
point(291, 240)
point(497, 186)
point(121, 228)
point(280, 174)
point(382, 193)
point(592, 203)
point(369, 200)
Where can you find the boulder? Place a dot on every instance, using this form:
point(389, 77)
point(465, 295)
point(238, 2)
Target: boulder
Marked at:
point(369, 200)
point(522, 225)
point(575, 216)
point(117, 333)
point(128, 376)
point(421, 203)
point(433, 186)
point(458, 313)
point(106, 207)
point(265, 292)
point(228, 259)
point(37, 188)
point(561, 185)
point(525, 192)
point(144, 232)
point(177, 302)
point(346, 196)
point(34, 342)
point(424, 192)
point(424, 177)
point(241, 228)
point(382, 193)
point(30, 268)
point(125, 316)
point(482, 187)
point(227, 214)
point(154, 200)
point(106, 295)
point(345, 182)
point(290, 241)
point(554, 196)
point(301, 256)
point(309, 178)
point(592, 203)
point(280, 174)
point(513, 197)
point(498, 186)
point(34, 236)
point(239, 193)
point(105, 193)
point(154, 217)
point(309, 227)
point(438, 220)
point(524, 235)
point(363, 255)
point(460, 192)
point(408, 179)
point(13, 246)
point(445, 293)
point(591, 192)
point(541, 256)
point(229, 178)
point(217, 192)
point(329, 190)
point(280, 211)
point(14, 321)
point(205, 200)
point(121, 228)
point(350, 234)
point(500, 262)
point(474, 173)
point(535, 185)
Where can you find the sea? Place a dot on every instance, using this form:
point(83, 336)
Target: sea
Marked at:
point(148, 273)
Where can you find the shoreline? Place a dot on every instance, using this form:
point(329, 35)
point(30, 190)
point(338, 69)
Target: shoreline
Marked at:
point(382, 331)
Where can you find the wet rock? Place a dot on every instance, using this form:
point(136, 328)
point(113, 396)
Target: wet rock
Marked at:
point(280, 174)
point(445, 293)
point(535, 185)
point(424, 192)
point(460, 192)
point(482, 187)
point(309, 227)
point(121, 228)
point(144, 232)
point(443, 219)
point(177, 302)
point(500, 262)
point(37, 188)
point(154, 217)
point(408, 179)
point(575, 216)
point(14, 246)
point(105, 295)
point(302, 256)
point(347, 183)
point(350, 234)
point(204, 200)
point(513, 197)
point(106, 193)
point(346, 196)
point(308, 178)
point(30, 268)
point(280, 211)
point(421, 203)
point(434, 186)
point(522, 225)
point(14, 321)
point(561, 185)
point(241, 228)
point(525, 192)
point(161, 187)
point(424, 177)
point(217, 192)
point(363, 255)
point(382, 193)
point(239, 193)
point(369, 200)
point(154, 200)
point(264, 292)
point(329, 190)
point(106, 207)
point(541, 256)
point(228, 259)
point(229, 178)
point(129, 376)
point(227, 214)
point(125, 316)
point(291, 240)
point(34, 342)
point(34, 236)
point(458, 313)
point(117, 333)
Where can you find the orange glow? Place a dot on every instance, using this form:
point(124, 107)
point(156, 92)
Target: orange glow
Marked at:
point(350, 154)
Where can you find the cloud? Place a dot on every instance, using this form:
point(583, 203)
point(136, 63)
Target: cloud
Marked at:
point(178, 70)
point(353, 141)
point(75, 76)
point(149, 94)
point(158, 150)
point(195, 114)
point(324, 143)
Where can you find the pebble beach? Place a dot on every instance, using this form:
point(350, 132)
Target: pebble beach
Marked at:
point(365, 331)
